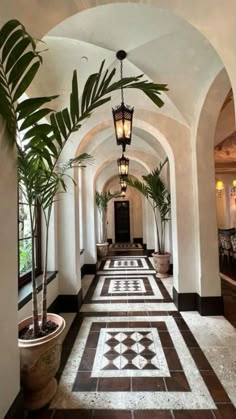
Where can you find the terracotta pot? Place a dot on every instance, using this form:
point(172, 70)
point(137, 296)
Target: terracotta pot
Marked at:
point(39, 362)
point(161, 264)
point(102, 249)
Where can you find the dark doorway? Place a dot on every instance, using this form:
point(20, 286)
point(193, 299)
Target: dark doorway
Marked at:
point(122, 233)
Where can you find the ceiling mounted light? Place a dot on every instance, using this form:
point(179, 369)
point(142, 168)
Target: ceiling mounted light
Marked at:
point(123, 166)
point(122, 114)
point(233, 189)
point(219, 188)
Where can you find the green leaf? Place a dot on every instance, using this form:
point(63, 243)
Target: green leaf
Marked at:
point(11, 41)
point(16, 53)
point(35, 117)
point(74, 99)
point(25, 82)
point(28, 106)
point(43, 129)
point(96, 84)
point(20, 67)
point(7, 29)
point(55, 129)
point(87, 92)
point(61, 124)
point(66, 118)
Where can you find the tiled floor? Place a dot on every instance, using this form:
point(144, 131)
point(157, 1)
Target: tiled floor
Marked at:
point(130, 355)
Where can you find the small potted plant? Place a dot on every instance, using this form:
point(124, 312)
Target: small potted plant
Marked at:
point(101, 200)
point(155, 191)
point(39, 134)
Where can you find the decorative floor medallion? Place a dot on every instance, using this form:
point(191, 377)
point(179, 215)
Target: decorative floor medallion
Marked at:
point(137, 351)
point(130, 287)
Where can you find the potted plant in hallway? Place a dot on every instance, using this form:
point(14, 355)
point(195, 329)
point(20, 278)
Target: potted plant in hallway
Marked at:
point(39, 143)
point(101, 200)
point(155, 191)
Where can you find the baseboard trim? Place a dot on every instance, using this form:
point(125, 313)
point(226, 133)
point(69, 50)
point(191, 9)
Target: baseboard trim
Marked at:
point(191, 301)
point(138, 240)
point(150, 252)
point(88, 269)
point(16, 410)
point(210, 306)
point(185, 301)
point(67, 303)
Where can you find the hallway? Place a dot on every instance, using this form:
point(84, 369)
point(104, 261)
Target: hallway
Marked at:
point(130, 355)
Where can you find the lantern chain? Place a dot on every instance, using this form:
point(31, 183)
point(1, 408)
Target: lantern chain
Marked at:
point(121, 77)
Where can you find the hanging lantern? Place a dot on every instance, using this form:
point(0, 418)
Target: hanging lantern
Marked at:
point(122, 114)
point(123, 166)
point(123, 184)
point(123, 194)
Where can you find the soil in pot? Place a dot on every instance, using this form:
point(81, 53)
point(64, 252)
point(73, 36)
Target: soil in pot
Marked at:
point(27, 332)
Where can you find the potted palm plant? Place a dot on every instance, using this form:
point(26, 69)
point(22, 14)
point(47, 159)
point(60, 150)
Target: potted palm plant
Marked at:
point(155, 191)
point(101, 200)
point(39, 144)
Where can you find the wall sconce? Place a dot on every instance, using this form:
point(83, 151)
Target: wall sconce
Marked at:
point(233, 189)
point(122, 114)
point(123, 166)
point(219, 188)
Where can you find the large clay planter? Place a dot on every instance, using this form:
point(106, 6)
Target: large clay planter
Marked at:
point(39, 362)
point(161, 264)
point(102, 249)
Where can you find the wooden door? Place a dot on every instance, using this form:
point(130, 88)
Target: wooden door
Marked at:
point(122, 224)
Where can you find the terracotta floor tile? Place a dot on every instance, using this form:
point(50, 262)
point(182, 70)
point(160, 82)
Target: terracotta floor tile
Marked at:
point(194, 414)
point(87, 360)
point(177, 382)
point(215, 387)
point(166, 340)
point(73, 414)
point(92, 340)
point(225, 411)
point(148, 384)
point(114, 384)
point(84, 382)
point(190, 339)
point(200, 359)
point(172, 359)
point(111, 414)
point(152, 414)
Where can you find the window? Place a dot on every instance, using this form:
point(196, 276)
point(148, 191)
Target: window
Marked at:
point(25, 242)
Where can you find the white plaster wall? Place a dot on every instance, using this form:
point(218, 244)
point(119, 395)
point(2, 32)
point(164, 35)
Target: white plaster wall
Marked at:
point(69, 280)
point(9, 359)
point(52, 289)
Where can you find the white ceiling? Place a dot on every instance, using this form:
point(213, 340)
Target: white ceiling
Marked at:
point(161, 45)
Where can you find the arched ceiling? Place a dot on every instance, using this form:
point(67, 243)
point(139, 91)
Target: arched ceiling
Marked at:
point(160, 44)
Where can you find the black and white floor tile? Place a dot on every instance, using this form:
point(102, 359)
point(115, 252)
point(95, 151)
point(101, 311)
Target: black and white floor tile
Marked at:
point(130, 355)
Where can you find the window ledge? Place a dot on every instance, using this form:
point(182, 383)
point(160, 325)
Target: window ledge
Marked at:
point(25, 292)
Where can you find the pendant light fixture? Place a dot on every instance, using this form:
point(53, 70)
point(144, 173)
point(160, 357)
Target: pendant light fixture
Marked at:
point(123, 184)
point(123, 166)
point(122, 114)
